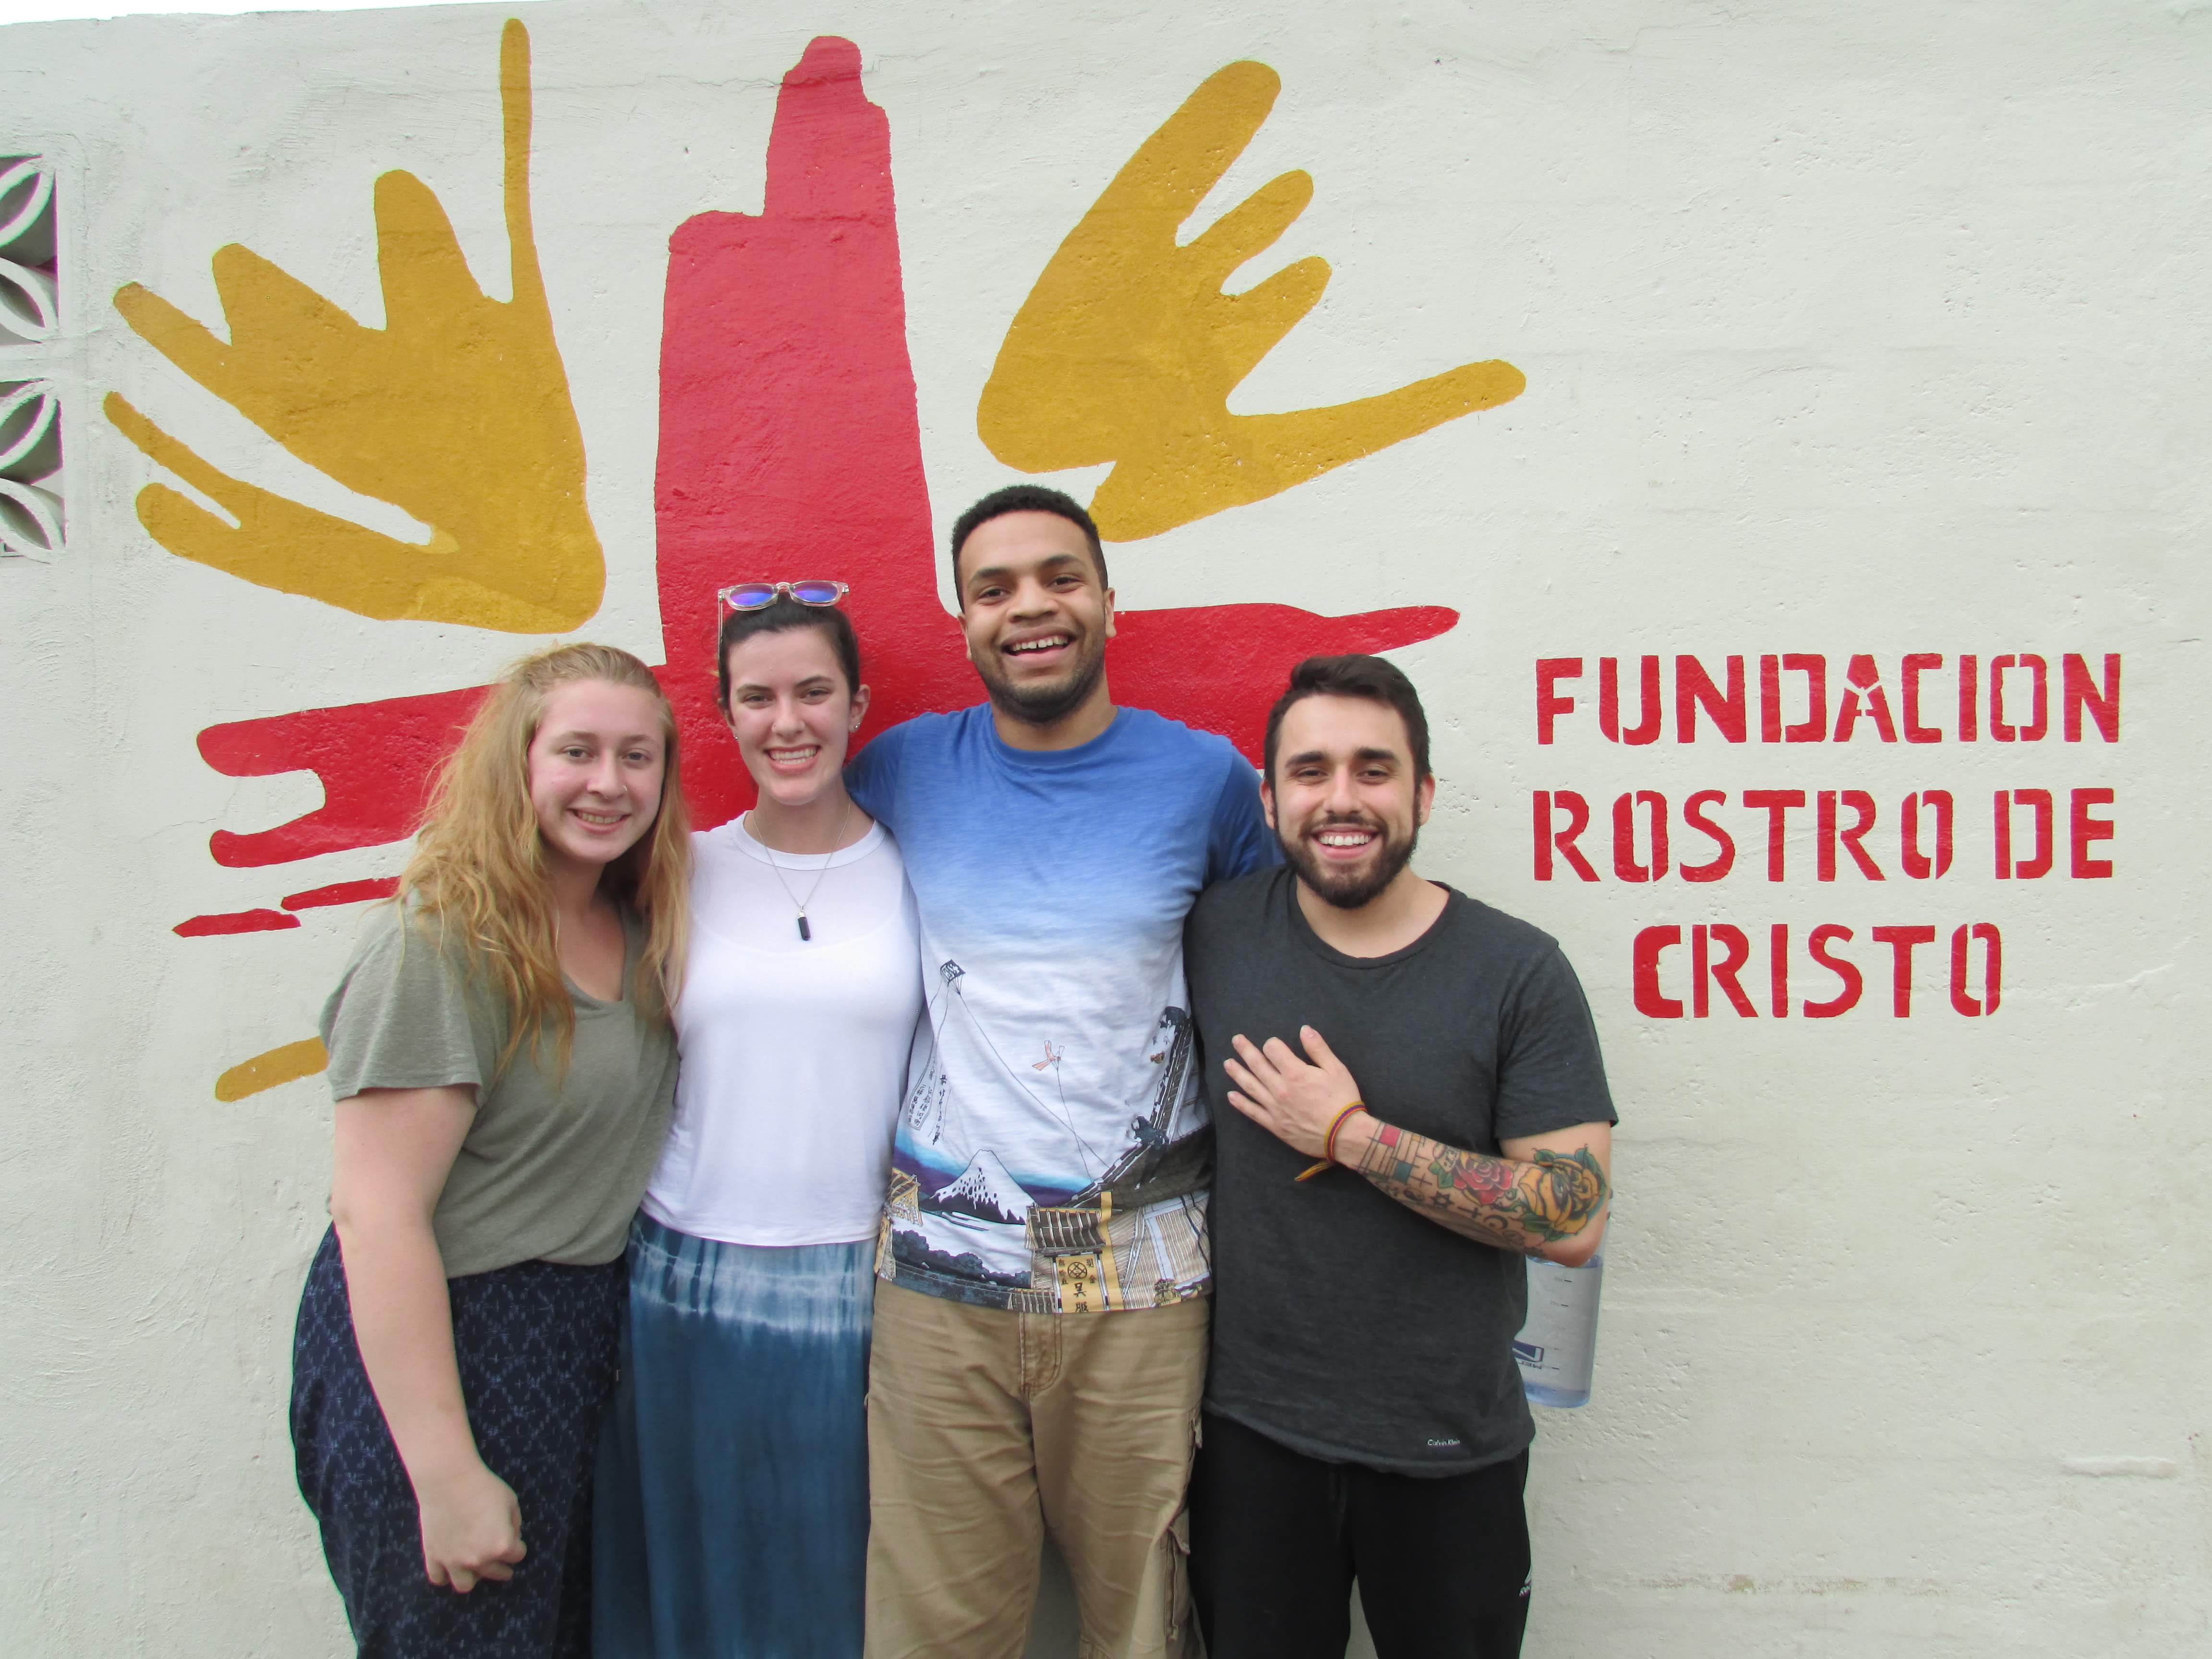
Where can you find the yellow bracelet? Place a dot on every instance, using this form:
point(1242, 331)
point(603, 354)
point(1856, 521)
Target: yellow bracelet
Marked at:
point(1328, 1142)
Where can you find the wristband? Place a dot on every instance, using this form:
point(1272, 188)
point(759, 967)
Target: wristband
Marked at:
point(1328, 1141)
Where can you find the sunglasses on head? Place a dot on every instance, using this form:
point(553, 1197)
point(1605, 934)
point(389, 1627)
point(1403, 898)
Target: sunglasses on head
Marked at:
point(758, 596)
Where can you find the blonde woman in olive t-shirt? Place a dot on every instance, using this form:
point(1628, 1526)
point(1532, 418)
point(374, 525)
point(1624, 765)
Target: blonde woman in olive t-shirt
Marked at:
point(502, 1061)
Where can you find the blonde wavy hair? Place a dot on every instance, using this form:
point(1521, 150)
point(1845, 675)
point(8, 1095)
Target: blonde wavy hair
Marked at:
point(479, 872)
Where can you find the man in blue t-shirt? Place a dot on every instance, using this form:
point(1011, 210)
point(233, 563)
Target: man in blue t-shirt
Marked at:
point(1041, 1309)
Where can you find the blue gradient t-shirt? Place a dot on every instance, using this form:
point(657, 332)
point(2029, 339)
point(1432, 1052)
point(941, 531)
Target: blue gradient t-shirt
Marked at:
point(1054, 1146)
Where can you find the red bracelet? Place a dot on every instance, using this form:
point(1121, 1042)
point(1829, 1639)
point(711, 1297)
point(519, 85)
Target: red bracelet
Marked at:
point(1328, 1141)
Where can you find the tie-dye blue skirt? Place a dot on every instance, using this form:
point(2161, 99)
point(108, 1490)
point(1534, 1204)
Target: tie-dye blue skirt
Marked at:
point(731, 1506)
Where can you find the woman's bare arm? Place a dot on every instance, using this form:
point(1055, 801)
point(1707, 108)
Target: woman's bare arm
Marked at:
point(394, 1150)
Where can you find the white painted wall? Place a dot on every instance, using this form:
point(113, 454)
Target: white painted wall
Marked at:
point(1878, 329)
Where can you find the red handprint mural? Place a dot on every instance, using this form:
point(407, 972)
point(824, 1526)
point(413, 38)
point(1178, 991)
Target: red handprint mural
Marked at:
point(789, 446)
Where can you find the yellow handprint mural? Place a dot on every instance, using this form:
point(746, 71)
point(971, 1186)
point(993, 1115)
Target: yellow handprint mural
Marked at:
point(1126, 349)
point(456, 411)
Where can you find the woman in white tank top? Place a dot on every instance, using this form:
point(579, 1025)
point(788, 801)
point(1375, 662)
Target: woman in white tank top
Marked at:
point(732, 1513)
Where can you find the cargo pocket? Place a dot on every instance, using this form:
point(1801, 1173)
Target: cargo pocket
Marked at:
point(1182, 1630)
point(1181, 1623)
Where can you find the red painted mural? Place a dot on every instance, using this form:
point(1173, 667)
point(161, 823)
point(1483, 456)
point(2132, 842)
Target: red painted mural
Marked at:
point(789, 447)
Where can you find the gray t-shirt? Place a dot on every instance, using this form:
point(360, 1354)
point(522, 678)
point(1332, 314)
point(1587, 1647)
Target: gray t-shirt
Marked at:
point(1346, 1325)
point(552, 1168)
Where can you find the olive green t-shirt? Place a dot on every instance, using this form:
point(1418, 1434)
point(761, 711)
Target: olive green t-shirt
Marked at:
point(552, 1167)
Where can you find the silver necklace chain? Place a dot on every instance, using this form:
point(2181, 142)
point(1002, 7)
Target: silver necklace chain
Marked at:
point(806, 933)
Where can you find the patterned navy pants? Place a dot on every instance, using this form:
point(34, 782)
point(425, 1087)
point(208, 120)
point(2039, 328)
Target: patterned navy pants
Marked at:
point(536, 1345)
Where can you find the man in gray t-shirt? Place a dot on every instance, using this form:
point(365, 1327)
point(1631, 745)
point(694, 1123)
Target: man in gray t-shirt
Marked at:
point(1408, 1099)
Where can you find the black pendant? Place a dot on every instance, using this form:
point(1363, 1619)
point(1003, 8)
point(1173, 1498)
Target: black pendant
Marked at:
point(805, 931)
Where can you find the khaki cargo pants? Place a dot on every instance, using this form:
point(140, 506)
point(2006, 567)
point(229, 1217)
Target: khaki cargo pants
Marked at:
point(985, 1428)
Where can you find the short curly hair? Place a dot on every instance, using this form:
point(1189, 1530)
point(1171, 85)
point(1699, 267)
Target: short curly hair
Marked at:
point(1024, 498)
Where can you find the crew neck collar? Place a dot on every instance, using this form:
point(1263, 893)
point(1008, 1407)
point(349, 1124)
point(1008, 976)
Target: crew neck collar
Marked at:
point(1047, 758)
point(743, 838)
point(1303, 929)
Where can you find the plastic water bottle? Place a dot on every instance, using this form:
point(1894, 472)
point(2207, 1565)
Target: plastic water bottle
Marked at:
point(1558, 1346)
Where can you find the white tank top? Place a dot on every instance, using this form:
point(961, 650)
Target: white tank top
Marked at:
point(793, 1051)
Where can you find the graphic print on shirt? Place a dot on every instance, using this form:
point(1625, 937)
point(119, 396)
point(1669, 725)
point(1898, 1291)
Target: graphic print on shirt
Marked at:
point(1053, 1144)
point(984, 1222)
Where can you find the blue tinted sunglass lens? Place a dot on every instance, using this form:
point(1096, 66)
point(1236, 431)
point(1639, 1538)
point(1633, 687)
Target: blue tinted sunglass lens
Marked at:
point(752, 596)
point(815, 593)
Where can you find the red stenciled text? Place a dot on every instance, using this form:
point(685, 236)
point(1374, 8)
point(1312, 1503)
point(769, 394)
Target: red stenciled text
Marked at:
point(1719, 969)
point(1707, 835)
point(1796, 696)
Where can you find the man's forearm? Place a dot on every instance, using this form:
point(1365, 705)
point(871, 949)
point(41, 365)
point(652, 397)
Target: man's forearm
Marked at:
point(1522, 1207)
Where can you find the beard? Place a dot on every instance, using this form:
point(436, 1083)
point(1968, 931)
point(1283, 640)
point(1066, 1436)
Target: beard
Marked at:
point(1042, 703)
point(1349, 890)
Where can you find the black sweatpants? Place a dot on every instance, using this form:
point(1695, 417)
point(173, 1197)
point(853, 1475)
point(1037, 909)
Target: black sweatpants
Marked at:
point(1278, 1538)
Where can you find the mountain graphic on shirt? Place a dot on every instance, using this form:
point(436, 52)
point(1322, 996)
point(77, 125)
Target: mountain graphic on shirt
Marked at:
point(984, 1190)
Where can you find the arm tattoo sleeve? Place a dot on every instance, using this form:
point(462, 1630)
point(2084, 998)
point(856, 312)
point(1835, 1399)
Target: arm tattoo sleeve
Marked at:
point(1496, 1201)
